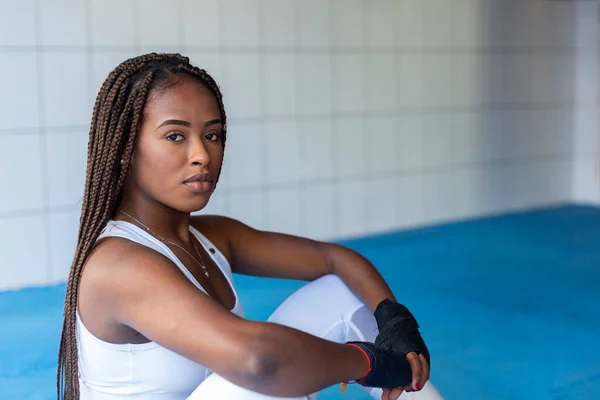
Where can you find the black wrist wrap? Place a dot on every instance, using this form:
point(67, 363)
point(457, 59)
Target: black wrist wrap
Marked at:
point(388, 370)
point(398, 330)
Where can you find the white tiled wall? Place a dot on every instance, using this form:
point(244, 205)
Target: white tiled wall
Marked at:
point(347, 117)
point(586, 167)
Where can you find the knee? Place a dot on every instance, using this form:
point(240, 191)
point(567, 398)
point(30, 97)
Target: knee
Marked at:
point(336, 290)
point(331, 283)
point(330, 280)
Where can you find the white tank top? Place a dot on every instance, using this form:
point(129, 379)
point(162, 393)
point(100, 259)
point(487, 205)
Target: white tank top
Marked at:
point(144, 371)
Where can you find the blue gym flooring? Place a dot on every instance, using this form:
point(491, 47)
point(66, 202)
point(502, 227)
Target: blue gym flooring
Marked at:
point(509, 306)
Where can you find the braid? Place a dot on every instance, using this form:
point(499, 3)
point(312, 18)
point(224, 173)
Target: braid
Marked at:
point(116, 118)
point(103, 142)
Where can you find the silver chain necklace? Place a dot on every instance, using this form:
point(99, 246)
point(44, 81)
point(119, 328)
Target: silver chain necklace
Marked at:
point(173, 243)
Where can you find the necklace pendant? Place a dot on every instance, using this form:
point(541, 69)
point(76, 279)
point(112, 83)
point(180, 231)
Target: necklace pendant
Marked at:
point(206, 273)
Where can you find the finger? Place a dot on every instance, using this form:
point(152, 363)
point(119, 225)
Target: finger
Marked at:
point(426, 371)
point(388, 394)
point(385, 394)
point(415, 366)
point(395, 393)
point(408, 389)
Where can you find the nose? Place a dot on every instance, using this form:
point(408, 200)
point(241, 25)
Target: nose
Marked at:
point(198, 153)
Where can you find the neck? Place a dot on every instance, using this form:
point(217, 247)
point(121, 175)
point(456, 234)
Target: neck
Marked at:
point(166, 222)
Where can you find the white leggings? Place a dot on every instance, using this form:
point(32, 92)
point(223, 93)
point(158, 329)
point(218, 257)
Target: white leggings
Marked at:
point(341, 317)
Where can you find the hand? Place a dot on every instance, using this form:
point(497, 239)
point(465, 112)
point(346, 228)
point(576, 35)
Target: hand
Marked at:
point(391, 394)
point(387, 369)
point(399, 332)
point(394, 394)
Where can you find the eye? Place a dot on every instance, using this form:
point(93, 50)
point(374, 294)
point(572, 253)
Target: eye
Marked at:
point(212, 136)
point(175, 137)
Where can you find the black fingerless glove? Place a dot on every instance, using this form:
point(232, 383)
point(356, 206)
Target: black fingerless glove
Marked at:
point(387, 369)
point(399, 330)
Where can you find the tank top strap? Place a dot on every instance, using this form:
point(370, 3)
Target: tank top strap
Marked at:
point(127, 230)
point(214, 252)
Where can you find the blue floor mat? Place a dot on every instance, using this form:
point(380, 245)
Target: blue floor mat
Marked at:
point(509, 306)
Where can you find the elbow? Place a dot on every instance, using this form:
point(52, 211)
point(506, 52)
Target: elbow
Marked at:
point(262, 366)
point(263, 360)
point(267, 362)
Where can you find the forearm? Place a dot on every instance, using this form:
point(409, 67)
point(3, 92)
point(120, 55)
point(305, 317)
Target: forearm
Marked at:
point(293, 363)
point(359, 274)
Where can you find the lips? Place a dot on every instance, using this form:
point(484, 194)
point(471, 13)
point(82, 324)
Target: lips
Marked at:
point(199, 178)
point(200, 183)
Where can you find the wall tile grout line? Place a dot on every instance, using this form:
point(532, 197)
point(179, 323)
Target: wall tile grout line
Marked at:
point(89, 60)
point(335, 215)
point(91, 70)
point(44, 173)
point(416, 172)
point(528, 160)
point(400, 112)
point(416, 50)
point(137, 36)
point(408, 112)
point(226, 199)
point(20, 131)
point(180, 26)
point(368, 114)
point(397, 57)
point(38, 211)
point(49, 129)
point(302, 186)
point(262, 96)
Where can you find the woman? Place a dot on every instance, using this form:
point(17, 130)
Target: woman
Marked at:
point(151, 310)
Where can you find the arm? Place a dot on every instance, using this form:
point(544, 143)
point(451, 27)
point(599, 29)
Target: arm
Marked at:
point(268, 254)
point(361, 277)
point(141, 289)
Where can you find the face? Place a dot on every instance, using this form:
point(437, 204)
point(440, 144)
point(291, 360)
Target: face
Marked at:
point(179, 151)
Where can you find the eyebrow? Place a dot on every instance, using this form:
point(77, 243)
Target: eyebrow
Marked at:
point(186, 123)
point(212, 122)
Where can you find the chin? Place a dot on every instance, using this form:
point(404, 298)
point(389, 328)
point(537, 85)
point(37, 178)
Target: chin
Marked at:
point(193, 205)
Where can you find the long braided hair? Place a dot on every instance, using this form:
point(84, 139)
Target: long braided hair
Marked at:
point(116, 118)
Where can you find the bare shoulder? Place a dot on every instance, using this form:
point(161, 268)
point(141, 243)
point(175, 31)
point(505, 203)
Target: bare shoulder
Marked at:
point(219, 230)
point(114, 269)
point(112, 254)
